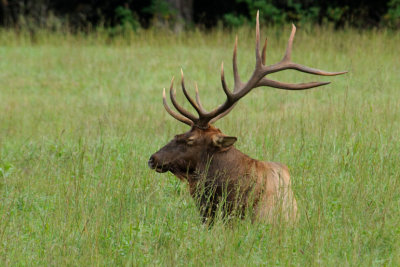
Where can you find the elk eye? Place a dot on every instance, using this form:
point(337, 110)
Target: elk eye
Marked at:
point(190, 141)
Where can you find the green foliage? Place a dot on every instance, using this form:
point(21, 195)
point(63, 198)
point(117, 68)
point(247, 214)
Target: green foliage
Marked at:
point(392, 18)
point(37, 15)
point(164, 16)
point(336, 14)
point(126, 18)
point(270, 13)
point(233, 20)
point(126, 22)
point(5, 169)
point(161, 9)
point(303, 15)
point(81, 114)
point(307, 12)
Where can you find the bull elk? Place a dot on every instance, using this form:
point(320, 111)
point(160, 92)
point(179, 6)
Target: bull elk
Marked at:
point(207, 159)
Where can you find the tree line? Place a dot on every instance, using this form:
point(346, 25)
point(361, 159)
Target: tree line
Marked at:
point(135, 14)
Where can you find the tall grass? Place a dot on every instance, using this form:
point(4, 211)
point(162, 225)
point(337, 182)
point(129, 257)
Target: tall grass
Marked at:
point(81, 114)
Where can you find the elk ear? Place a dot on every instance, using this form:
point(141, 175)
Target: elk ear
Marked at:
point(224, 141)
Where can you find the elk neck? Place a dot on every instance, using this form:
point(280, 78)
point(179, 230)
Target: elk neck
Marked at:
point(230, 163)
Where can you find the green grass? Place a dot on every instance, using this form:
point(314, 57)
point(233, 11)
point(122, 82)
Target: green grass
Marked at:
point(80, 116)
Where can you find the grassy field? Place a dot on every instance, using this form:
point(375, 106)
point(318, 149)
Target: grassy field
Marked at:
point(80, 116)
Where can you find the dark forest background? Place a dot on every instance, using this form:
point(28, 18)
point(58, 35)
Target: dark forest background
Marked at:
point(181, 14)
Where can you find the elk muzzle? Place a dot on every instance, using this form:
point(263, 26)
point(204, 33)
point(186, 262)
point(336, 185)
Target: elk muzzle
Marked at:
point(155, 164)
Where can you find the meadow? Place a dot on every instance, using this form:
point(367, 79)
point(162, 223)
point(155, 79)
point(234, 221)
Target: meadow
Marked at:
point(81, 114)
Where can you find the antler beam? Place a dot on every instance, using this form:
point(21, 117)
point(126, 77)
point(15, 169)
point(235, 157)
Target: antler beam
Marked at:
point(240, 89)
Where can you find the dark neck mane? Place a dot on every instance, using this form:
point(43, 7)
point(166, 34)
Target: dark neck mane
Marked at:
point(213, 164)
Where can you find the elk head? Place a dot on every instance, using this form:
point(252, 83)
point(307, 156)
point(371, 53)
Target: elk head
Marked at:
point(183, 154)
point(186, 151)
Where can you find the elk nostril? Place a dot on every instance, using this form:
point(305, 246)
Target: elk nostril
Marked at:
point(151, 162)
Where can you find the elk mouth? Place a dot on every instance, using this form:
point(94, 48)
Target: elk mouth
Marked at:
point(160, 168)
point(172, 167)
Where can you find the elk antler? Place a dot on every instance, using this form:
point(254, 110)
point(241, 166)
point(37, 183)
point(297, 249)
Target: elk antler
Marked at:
point(240, 89)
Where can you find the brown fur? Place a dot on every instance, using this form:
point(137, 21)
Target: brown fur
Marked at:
point(215, 170)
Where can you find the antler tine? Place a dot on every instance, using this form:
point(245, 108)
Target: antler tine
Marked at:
point(223, 114)
point(198, 99)
point(174, 114)
point(228, 95)
point(188, 97)
point(309, 70)
point(263, 56)
point(258, 57)
point(288, 52)
point(236, 76)
point(224, 86)
point(230, 100)
point(286, 62)
point(181, 110)
point(289, 86)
